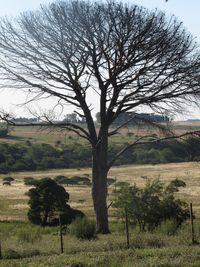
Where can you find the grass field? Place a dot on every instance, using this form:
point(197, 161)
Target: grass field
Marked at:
point(13, 201)
point(35, 134)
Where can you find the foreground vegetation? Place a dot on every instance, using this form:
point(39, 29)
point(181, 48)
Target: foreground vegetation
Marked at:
point(26, 245)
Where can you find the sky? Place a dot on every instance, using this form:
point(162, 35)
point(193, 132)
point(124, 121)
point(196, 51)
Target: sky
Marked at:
point(186, 11)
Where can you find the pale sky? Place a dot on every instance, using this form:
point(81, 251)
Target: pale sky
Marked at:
point(187, 11)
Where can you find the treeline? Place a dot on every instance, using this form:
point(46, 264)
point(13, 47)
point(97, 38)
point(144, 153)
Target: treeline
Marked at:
point(29, 157)
point(20, 157)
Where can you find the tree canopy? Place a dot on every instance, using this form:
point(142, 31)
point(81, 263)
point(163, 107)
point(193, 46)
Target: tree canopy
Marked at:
point(48, 201)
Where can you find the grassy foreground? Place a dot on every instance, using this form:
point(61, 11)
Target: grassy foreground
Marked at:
point(180, 257)
point(32, 246)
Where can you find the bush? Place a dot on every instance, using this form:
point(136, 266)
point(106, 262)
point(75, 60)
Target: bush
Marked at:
point(8, 179)
point(80, 180)
point(150, 206)
point(83, 229)
point(68, 216)
point(61, 179)
point(30, 181)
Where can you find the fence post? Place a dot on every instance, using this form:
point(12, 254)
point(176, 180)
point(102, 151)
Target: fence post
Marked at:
point(127, 229)
point(192, 224)
point(61, 234)
point(0, 251)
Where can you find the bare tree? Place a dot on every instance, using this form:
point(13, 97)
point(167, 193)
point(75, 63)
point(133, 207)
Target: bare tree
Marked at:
point(123, 54)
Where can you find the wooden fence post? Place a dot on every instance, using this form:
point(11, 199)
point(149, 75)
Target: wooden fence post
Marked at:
point(127, 229)
point(61, 234)
point(192, 224)
point(0, 251)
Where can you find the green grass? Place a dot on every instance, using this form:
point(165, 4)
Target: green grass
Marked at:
point(30, 246)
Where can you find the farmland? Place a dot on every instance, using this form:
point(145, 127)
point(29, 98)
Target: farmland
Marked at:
point(36, 134)
point(14, 201)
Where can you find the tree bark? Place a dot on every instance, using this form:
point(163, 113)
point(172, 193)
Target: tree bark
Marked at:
point(99, 185)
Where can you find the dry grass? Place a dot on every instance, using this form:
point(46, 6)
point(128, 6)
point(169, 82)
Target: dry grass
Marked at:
point(35, 134)
point(13, 201)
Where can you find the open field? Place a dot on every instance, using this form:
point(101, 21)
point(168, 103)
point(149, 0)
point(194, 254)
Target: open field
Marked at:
point(35, 134)
point(13, 201)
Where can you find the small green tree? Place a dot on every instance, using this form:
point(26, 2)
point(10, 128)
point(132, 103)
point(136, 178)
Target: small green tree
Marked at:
point(47, 201)
point(151, 205)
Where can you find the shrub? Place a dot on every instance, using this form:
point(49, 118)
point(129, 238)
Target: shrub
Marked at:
point(30, 181)
point(61, 179)
point(150, 206)
point(8, 179)
point(68, 216)
point(83, 229)
point(80, 180)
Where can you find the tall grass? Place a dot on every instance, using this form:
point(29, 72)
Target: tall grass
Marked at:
point(26, 245)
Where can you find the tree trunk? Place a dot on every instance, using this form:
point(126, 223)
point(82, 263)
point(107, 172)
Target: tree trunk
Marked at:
point(99, 185)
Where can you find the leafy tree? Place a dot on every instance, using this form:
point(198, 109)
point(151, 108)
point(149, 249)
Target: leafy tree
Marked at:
point(127, 56)
point(153, 204)
point(46, 199)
